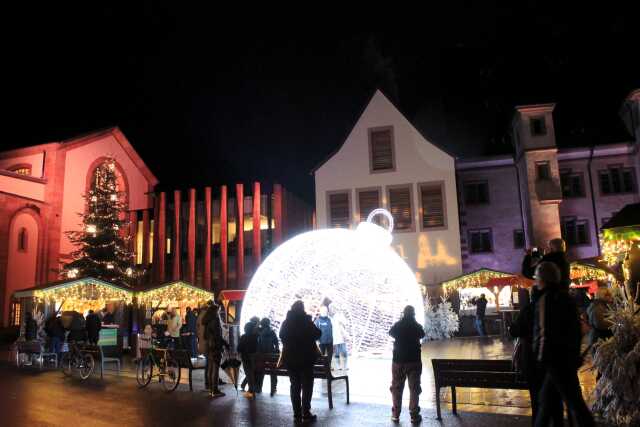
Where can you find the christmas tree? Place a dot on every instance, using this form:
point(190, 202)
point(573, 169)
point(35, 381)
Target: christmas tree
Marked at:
point(102, 245)
point(447, 319)
point(617, 393)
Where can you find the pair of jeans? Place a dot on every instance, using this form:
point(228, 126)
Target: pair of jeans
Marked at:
point(561, 382)
point(301, 378)
point(327, 350)
point(56, 346)
point(479, 321)
point(213, 371)
point(402, 372)
point(249, 366)
point(260, 382)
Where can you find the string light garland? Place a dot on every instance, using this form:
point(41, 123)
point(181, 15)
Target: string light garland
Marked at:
point(476, 279)
point(356, 270)
point(172, 294)
point(84, 294)
point(584, 272)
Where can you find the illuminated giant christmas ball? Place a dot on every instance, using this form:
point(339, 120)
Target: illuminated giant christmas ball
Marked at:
point(357, 270)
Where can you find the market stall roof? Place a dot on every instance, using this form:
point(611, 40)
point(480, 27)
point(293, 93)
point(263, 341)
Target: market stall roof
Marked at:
point(629, 216)
point(474, 279)
point(589, 269)
point(174, 291)
point(233, 294)
point(515, 280)
point(62, 287)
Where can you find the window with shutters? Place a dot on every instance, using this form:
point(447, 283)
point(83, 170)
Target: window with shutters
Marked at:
point(339, 203)
point(381, 150)
point(480, 241)
point(575, 231)
point(617, 180)
point(368, 200)
point(432, 206)
point(476, 192)
point(401, 207)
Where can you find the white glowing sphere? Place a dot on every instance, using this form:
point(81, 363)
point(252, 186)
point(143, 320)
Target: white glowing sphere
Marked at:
point(357, 270)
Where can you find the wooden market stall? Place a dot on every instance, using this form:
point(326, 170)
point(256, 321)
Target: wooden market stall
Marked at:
point(155, 301)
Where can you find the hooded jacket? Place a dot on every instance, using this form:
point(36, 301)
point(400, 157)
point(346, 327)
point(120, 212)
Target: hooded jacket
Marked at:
point(299, 335)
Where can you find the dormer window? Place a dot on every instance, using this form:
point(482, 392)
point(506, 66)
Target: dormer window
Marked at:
point(21, 169)
point(381, 153)
point(538, 126)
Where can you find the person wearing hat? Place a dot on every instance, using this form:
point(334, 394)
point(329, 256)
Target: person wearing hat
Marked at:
point(556, 344)
point(406, 364)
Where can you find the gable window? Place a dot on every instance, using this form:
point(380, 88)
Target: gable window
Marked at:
point(339, 209)
point(575, 231)
point(368, 200)
point(481, 240)
point(381, 153)
point(538, 126)
point(476, 193)
point(23, 240)
point(432, 207)
point(616, 180)
point(518, 239)
point(401, 207)
point(23, 169)
point(543, 171)
point(572, 183)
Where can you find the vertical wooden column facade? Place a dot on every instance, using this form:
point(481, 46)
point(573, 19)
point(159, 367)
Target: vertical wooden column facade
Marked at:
point(257, 246)
point(133, 235)
point(191, 237)
point(154, 246)
point(277, 213)
point(224, 254)
point(145, 237)
point(161, 248)
point(207, 244)
point(177, 249)
point(240, 236)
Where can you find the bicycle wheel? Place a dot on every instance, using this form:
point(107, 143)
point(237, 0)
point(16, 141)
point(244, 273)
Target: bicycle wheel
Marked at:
point(87, 364)
point(144, 371)
point(171, 377)
point(65, 363)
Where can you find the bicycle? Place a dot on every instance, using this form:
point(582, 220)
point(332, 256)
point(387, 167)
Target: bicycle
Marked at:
point(168, 368)
point(78, 358)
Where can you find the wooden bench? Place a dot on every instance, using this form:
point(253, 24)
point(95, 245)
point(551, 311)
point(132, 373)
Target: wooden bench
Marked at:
point(266, 364)
point(474, 373)
point(183, 357)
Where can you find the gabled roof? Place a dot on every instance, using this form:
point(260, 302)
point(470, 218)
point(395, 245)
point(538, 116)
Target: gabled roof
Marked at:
point(629, 216)
point(172, 283)
point(67, 283)
point(344, 140)
point(119, 136)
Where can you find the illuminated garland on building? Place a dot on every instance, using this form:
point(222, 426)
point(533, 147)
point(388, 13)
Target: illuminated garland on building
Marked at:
point(172, 294)
point(82, 295)
point(584, 272)
point(476, 279)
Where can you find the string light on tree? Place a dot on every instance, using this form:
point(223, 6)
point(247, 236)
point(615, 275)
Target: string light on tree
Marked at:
point(357, 271)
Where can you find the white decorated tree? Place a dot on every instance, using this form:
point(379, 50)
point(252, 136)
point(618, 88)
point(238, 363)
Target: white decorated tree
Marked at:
point(447, 319)
point(431, 328)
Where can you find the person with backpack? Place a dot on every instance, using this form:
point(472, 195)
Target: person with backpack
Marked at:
point(248, 347)
point(267, 344)
point(557, 338)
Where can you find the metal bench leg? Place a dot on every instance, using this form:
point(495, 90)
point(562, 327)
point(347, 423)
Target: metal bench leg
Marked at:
point(347, 380)
point(329, 393)
point(454, 405)
point(190, 379)
point(438, 403)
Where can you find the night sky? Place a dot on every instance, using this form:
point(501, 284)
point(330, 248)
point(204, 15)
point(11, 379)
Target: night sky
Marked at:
point(208, 97)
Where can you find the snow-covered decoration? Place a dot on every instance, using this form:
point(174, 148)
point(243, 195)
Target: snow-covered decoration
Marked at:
point(356, 270)
point(617, 359)
point(440, 322)
point(430, 322)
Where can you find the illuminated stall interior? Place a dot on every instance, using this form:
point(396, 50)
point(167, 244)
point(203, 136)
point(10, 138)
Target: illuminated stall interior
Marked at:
point(79, 295)
point(178, 295)
point(489, 282)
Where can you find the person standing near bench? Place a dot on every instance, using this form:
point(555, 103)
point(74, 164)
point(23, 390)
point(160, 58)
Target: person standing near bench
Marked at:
point(323, 322)
point(299, 353)
point(481, 309)
point(215, 344)
point(248, 347)
point(93, 325)
point(557, 339)
point(267, 344)
point(407, 364)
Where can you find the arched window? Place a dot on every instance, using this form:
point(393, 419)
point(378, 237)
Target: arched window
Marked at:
point(21, 169)
point(23, 240)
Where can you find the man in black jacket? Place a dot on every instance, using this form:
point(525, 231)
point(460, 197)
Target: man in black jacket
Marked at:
point(299, 353)
point(557, 338)
point(93, 325)
point(558, 256)
point(267, 344)
point(407, 363)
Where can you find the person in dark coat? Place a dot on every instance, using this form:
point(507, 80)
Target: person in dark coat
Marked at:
point(407, 363)
point(267, 344)
point(30, 327)
point(481, 308)
point(255, 320)
point(557, 337)
point(93, 325)
point(248, 347)
point(299, 352)
point(529, 262)
point(55, 332)
point(191, 320)
point(215, 345)
point(558, 256)
point(522, 329)
point(323, 322)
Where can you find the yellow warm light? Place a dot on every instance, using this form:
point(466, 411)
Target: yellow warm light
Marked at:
point(178, 293)
point(428, 258)
point(477, 279)
point(84, 295)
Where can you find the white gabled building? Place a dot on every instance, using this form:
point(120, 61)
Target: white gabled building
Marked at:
point(385, 162)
